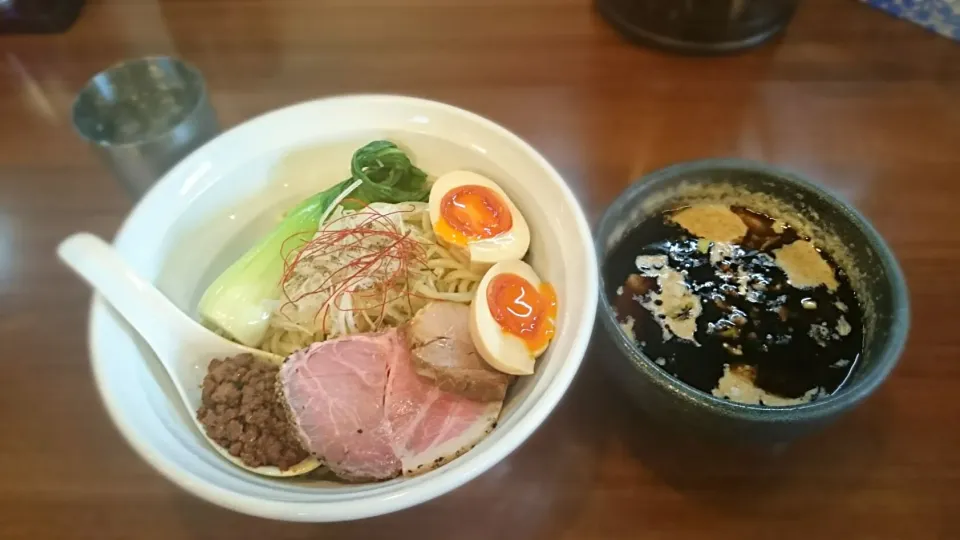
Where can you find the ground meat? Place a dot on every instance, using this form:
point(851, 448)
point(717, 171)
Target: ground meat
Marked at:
point(240, 412)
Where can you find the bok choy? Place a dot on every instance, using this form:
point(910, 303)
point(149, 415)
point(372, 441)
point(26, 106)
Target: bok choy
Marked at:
point(239, 302)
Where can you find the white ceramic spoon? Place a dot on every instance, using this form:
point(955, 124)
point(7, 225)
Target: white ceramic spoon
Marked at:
point(182, 345)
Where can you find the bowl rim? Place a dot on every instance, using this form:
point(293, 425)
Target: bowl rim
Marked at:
point(815, 410)
point(368, 505)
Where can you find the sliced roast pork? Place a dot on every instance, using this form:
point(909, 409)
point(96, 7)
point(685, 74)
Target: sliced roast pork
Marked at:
point(334, 391)
point(359, 405)
point(431, 426)
point(443, 351)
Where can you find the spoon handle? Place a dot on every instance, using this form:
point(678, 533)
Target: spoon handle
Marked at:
point(150, 313)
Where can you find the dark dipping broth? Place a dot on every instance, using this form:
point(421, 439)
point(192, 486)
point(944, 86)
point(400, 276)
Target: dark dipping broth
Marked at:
point(758, 337)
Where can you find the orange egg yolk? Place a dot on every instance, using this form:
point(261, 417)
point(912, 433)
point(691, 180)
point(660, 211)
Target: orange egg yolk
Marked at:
point(523, 310)
point(470, 213)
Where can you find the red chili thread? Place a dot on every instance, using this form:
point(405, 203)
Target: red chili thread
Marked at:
point(369, 264)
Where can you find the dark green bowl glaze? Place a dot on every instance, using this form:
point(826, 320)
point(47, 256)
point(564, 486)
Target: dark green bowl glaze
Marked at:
point(874, 272)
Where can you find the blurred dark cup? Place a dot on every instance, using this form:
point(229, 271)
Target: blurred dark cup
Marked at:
point(699, 26)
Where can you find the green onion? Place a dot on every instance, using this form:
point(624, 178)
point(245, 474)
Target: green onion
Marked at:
point(387, 175)
point(241, 299)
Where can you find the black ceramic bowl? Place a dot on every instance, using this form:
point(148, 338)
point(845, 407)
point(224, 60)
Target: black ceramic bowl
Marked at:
point(699, 26)
point(846, 235)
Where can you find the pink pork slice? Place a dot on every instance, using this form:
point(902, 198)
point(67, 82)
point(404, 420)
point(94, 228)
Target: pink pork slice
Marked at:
point(430, 426)
point(360, 407)
point(334, 391)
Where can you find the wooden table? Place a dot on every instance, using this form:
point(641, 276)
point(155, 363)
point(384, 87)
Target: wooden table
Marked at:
point(865, 103)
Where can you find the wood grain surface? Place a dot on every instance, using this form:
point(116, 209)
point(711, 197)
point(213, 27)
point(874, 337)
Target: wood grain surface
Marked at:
point(867, 104)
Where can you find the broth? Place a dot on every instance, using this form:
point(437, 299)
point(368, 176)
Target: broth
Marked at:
point(747, 308)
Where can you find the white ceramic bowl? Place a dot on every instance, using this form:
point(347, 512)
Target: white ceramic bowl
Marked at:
point(206, 211)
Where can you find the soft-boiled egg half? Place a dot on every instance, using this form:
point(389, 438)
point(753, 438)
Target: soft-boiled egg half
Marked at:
point(470, 211)
point(512, 317)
